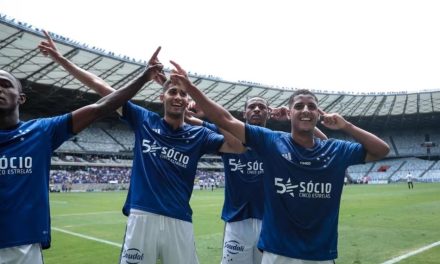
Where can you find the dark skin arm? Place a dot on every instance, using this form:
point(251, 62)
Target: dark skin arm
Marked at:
point(113, 99)
point(84, 116)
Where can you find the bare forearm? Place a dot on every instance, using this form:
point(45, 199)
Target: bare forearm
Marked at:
point(213, 111)
point(232, 144)
point(85, 77)
point(117, 98)
point(84, 116)
point(376, 147)
point(217, 114)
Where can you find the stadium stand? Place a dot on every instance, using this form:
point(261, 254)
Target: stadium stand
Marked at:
point(408, 122)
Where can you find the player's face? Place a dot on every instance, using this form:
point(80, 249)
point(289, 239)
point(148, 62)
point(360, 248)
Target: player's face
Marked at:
point(304, 113)
point(175, 101)
point(10, 96)
point(256, 112)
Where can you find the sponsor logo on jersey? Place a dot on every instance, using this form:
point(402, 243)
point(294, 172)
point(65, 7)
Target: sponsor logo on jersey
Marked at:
point(287, 156)
point(309, 190)
point(172, 155)
point(322, 160)
point(132, 256)
point(15, 165)
point(251, 167)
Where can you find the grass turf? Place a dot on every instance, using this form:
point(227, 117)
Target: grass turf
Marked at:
point(377, 223)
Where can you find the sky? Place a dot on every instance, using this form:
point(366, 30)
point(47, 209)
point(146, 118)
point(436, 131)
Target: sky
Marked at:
point(358, 46)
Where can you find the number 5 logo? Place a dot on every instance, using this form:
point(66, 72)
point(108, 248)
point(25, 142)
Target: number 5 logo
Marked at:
point(281, 188)
point(236, 166)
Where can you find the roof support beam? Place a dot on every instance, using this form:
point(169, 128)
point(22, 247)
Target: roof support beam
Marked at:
point(11, 39)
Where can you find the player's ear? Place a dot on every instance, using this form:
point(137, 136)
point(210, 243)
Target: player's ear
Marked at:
point(22, 98)
point(269, 112)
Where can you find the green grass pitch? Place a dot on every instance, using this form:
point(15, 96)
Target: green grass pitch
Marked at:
point(377, 223)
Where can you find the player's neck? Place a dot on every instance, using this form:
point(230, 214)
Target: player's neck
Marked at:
point(304, 138)
point(174, 121)
point(8, 120)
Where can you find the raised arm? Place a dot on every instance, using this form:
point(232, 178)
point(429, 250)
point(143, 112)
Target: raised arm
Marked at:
point(84, 116)
point(194, 117)
point(213, 111)
point(376, 147)
point(48, 48)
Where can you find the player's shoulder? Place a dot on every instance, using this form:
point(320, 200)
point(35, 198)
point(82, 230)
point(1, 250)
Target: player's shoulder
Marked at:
point(39, 121)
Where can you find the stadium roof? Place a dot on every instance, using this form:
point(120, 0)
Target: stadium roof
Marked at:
point(53, 90)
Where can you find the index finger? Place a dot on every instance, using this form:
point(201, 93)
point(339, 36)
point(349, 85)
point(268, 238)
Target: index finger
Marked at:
point(48, 36)
point(154, 56)
point(178, 68)
point(321, 112)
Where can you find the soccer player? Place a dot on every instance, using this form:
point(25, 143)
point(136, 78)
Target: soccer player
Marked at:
point(25, 153)
point(166, 154)
point(409, 180)
point(244, 189)
point(303, 175)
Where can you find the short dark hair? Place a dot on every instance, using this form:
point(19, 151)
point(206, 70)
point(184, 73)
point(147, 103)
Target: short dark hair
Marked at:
point(12, 79)
point(299, 92)
point(166, 85)
point(254, 97)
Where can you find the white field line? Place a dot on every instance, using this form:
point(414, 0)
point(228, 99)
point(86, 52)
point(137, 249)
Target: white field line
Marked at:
point(412, 253)
point(87, 237)
point(391, 261)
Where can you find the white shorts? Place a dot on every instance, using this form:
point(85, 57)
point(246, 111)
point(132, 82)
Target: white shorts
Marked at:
point(270, 258)
point(25, 254)
point(240, 242)
point(149, 237)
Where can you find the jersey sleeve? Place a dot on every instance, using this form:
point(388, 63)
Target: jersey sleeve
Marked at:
point(354, 152)
point(211, 126)
point(59, 127)
point(213, 141)
point(258, 138)
point(134, 114)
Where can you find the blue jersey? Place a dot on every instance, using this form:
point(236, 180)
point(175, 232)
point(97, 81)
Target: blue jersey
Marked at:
point(303, 188)
point(25, 154)
point(165, 163)
point(244, 188)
